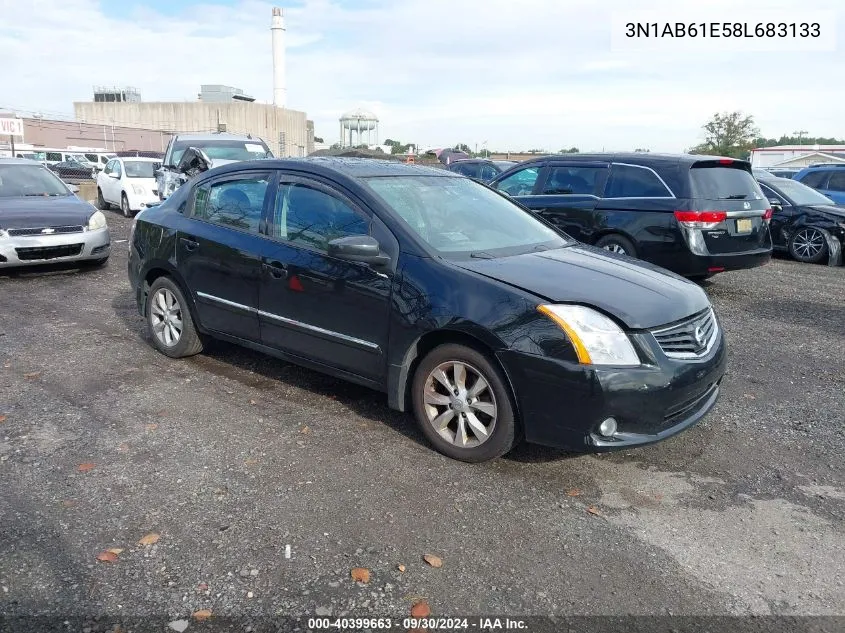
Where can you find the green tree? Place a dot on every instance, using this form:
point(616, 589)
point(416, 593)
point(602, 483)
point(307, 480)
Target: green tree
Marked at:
point(571, 150)
point(728, 134)
point(642, 150)
point(335, 146)
point(318, 139)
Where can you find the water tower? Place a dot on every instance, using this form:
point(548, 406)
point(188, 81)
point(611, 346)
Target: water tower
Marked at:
point(360, 122)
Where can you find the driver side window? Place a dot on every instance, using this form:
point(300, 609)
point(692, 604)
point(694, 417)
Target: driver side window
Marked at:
point(520, 183)
point(116, 169)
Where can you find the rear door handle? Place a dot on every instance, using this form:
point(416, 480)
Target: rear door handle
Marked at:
point(277, 270)
point(189, 243)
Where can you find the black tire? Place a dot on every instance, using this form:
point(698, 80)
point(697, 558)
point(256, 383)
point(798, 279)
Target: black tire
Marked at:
point(101, 202)
point(618, 244)
point(504, 435)
point(189, 342)
point(124, 206)
point(803, 243)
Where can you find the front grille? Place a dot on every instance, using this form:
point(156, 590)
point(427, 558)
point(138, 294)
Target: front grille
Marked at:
point(685, 409)
point(46, 230)
point(691, 338)
point(48, 252)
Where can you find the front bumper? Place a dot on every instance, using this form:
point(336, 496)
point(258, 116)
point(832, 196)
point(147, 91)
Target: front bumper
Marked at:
point(51, 249)
point(562, 403)
point(139, 202)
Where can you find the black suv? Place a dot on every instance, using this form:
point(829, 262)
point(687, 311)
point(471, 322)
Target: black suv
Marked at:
point(695, 215)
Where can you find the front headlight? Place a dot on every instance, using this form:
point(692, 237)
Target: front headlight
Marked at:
point(96, 221)
point(597, 340)
point(138, 190)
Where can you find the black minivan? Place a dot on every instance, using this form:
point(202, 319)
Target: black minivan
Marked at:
point(694, 215)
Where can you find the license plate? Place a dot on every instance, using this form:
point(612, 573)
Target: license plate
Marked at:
point(744, 225)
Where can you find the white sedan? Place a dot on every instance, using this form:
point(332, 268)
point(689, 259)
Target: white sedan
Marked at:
point(128, 183)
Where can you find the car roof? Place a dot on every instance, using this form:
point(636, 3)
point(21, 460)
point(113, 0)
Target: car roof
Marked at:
point(19, 161)
point(644, 158)
point(337, 165)
point(212, 136)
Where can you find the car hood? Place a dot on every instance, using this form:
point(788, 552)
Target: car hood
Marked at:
point(828, 209)
point(639, 294)
point(37, 211)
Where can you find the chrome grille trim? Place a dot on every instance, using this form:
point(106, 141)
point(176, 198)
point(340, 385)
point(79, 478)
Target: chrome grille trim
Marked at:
point(680, 341)
point(45, 230)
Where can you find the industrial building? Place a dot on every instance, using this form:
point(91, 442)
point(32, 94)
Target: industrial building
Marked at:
point(784, 156)
point(219, 108)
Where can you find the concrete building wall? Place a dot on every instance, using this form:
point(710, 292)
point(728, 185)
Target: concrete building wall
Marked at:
point(272, 124)
point(62, 134)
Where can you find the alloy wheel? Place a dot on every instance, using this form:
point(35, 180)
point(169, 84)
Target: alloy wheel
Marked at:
point(460, 404)
point(166, 317)
point(808, 243)
point(124, 206)
point(614, 247)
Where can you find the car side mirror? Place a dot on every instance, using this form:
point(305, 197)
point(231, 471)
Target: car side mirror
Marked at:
point(358, 248)
point(775, 203)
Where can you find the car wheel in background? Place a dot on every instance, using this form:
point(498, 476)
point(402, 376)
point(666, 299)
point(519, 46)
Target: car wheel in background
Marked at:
point(463, 404)
point(101, 202)
point(617, 244)
point(124, 206)
point(808, 245)
point(169, 320)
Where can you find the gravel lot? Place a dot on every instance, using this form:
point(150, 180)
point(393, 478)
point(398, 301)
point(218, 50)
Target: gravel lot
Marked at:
point(232, 457)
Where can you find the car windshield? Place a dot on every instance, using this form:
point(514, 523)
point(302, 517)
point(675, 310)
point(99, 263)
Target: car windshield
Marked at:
point(459, 217)
point(801, 194)
point(139, 168)
point(29, 180)
point(224, 149)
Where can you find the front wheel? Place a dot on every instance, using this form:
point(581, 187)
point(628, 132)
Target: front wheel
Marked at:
point(124, 206)
point(101, 201)
point(169, 320)
point(808, 245)
point(617, 244)
point(463, 404)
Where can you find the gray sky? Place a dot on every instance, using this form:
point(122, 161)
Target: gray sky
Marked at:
point(520, 75)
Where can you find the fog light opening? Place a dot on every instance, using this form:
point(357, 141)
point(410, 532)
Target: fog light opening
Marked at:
point(608, 427)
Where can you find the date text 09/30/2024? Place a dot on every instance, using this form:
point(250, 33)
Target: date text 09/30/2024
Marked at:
point(723, 29)
point(480, 624)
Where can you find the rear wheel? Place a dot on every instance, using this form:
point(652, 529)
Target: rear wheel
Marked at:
point(617, 244)
point(808, 245)
point(463, 404)
point(169, 320)
point(101, 201)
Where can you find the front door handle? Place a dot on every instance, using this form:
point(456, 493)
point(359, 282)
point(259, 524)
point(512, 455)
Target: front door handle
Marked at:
point(189, 243)
point(277, 270)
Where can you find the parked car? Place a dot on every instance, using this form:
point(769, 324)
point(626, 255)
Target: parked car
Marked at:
point(461, 305)
point(42, 221)
point(481, 169)
point(206, 151)
point(71, 170)
point(128, 183)
point(785, 172)
point(804, 220)
point(828, 178)
point(694, 215)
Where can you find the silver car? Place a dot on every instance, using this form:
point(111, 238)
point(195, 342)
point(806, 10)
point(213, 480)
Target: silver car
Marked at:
point(42, 221)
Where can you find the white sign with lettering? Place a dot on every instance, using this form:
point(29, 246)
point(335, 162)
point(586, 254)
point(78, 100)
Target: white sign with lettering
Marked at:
point(11, 127)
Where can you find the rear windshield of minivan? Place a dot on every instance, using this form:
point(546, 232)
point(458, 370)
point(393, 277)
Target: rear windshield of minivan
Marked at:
point(715, 181)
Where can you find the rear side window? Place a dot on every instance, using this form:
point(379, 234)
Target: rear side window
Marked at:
point(573, 180)
point(235, 203)
point(520, 183)
point(837, 181)
point(714, 181)
point(815, 179)
point(56, 156)
point(628, 181)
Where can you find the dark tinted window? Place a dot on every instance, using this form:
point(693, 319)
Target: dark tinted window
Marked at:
point(520, 183)
point(235, 203)
point(717, 182)
point(573, 180)
point(56, 156)
point(837, 180)
point(470, 170)
point(488, 172)
point(310, 217)
point(815, 179)
point(634, 182)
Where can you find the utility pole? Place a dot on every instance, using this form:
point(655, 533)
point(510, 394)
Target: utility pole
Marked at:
point(800, 134)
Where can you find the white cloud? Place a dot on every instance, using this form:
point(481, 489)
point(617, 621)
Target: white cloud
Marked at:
point(534, 73)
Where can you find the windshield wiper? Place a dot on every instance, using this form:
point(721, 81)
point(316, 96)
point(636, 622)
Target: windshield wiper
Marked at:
point(481, 255)
point(736, 196)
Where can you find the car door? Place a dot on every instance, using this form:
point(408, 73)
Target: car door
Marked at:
point(836, 186)
point(566, 195)
point(323, 309)
point(783, 215)
point(218, 251)
point(113, 183)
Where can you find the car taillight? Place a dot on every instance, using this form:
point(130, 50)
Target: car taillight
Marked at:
point(767, 215)
point(700, 219)
point(726, 161)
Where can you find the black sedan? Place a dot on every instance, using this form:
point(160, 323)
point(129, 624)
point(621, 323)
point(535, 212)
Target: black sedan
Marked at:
point(72, 170)
point(462, 306)
point(481, 169)
point(805, 223)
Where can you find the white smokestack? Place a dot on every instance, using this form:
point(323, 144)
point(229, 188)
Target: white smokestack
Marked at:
point(277, 29)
